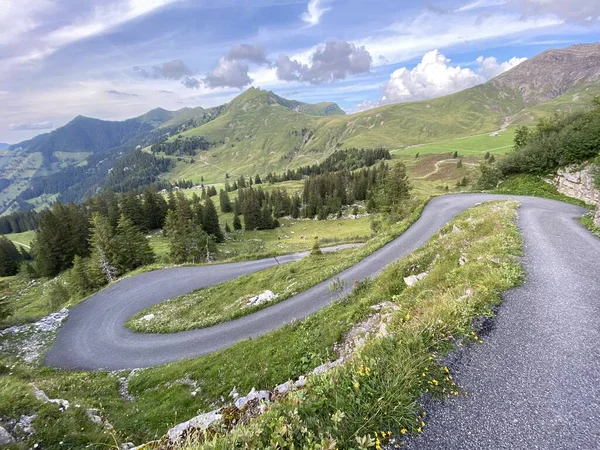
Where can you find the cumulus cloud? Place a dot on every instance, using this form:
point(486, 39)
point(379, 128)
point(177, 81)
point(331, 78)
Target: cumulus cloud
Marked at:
point(30, 126)
point(172, 70)
point(434, 76)
point(314, 12)
point(121, 93)
point(228, 73)
point(489, 67)
point(333, 61)
point(248, 52)
point(232, 69)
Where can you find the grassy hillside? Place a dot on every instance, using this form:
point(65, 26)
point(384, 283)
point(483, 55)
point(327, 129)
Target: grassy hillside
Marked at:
point(256, 134)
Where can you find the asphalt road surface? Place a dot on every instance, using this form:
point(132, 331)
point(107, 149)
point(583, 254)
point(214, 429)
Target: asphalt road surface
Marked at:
point(550, 342)
point(535, 381)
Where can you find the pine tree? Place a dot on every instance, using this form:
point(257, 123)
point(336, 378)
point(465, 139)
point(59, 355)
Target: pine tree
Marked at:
point(154, 208)
point(79, 282)
point(225, 201)
point(251, 210)
point(102, 266)
point(63, 233)
point(237, 223)
point(9, 258)
point(130, 246)
point(396, 187)
point(257, 179)
point(227, 228)
point(175, 231)
point(210, 221)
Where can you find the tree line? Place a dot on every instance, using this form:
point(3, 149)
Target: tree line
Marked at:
point(181, 146)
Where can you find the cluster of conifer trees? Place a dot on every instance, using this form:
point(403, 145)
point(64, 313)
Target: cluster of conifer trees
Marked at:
point(181, 146)
point(105, 237)
point(349, 160)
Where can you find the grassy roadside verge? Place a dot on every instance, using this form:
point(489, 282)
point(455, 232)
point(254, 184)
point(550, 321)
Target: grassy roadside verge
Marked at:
point(534, 185)
point(227, 301)
point(376, 395)
point(588, 222)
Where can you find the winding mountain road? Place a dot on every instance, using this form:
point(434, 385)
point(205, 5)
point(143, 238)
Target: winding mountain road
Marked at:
point(563, 290)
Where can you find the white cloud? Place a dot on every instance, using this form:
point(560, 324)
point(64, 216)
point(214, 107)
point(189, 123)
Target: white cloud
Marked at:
point(407, 40)
point(314, 11)
point(434, 76)
point(478, 4)
point(489, 67)
point(29, 26)
point(30, 126)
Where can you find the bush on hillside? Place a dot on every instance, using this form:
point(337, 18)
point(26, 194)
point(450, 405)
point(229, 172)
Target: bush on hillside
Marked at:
point(556, 142)
point(552, 143)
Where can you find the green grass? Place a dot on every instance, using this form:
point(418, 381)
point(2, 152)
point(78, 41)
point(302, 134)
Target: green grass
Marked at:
point(23, 239)
point(162, 397)
point(588, 222)
point(476, 145)
point(379, 389)
point(25, 299)
point(227, 301)
point(525, 184)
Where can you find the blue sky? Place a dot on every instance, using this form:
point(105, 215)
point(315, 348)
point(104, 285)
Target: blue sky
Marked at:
point(117, 59)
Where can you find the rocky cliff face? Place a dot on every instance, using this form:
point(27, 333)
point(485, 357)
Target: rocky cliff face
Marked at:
point(578, 182)
point(552, 73)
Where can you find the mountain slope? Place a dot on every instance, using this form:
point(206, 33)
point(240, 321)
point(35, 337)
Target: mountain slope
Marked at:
point(4, 145)
point(552, 73)
point(257, 135)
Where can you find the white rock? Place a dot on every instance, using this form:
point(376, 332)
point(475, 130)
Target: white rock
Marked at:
point(323, 368)
point(265, 297)
point(284, 387)
point(253, 395)
point(234, 394)
point(92, 415)
point(148, 317)
point(5, 437)
point(42, 397)
point(25, 423)
point(201, 422)
point(300, 383)
point(414, 279)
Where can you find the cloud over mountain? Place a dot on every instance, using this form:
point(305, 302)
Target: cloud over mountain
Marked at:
point(434, 76)
point(333, 61)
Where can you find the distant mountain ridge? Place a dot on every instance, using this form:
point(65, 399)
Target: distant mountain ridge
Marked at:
point(552, 73)
point(4, 145)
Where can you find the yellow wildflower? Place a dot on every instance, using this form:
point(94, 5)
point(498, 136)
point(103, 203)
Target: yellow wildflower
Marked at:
point(356, 385)
point(403, 431)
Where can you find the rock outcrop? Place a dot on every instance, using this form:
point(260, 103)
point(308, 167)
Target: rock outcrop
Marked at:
point(578, 182)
